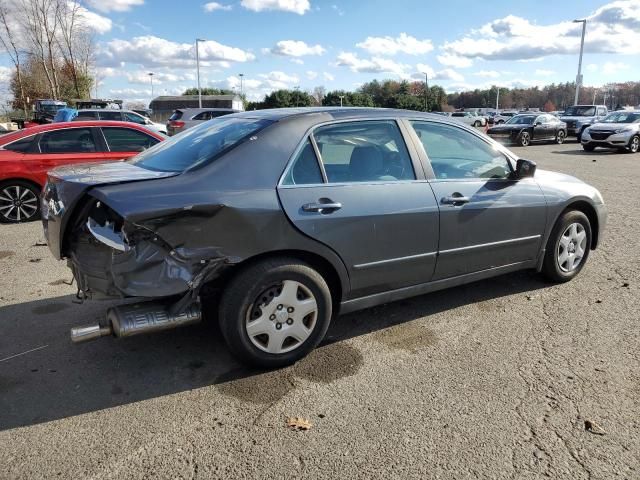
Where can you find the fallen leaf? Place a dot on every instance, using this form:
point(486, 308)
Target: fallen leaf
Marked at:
point(40, 244)
point(35, 260)
point(592, 427)
point(299, 423)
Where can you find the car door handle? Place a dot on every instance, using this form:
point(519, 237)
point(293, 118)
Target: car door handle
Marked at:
point(321, 207)
point(454, 200)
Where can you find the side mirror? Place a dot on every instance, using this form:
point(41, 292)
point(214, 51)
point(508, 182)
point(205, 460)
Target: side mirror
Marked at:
point(525, 168)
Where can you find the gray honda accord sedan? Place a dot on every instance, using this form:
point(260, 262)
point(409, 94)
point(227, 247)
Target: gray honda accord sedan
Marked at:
point(296, 215)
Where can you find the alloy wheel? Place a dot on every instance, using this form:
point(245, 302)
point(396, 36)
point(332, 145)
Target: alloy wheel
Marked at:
point(571, 247)
point(524, 139)
point(560, 137)
point(282, 317)
point(634, 145)
point(18, 203)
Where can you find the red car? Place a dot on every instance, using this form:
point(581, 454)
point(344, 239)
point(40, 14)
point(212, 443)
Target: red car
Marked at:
point(27, 155)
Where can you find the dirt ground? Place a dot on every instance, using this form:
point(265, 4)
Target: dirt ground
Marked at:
point(506, 378)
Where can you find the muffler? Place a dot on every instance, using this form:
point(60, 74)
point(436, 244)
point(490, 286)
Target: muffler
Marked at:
point(137, 318)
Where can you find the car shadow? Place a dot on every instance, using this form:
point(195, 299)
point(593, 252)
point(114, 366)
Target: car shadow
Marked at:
point(583, 153)
point(44, 377)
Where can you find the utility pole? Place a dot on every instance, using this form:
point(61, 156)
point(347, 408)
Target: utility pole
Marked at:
point(241, 86)
point(341, 97)
point(579, 76)
point(151, 78)
point(426, 92)
point(198, 40)
point(498, 100)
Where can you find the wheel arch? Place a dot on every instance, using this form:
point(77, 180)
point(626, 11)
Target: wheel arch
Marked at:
point(31, 182)
point(588, 209)
point(329, 272)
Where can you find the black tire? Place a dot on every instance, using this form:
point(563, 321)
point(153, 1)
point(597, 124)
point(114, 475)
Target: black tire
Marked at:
point(588, 147)
point(477, 123)
point(560, 137)
point(500, 122)
point(27, 192)
point(524, 140)
point(247, 286)
point(634, 144)
point(551, 267)
point(579, 136)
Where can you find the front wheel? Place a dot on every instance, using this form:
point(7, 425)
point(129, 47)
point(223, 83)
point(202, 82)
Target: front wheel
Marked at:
point(19, 202)
point(568, 247)
point(477, 123)
point(525, 139)
point(588, 147)
point(275, 312)
point(634, 144)
point(560, 136)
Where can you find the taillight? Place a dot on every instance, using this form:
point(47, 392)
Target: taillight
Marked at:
point(176, 124)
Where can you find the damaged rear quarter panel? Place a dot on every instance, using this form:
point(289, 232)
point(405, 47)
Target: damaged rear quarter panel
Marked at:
point(205, 219)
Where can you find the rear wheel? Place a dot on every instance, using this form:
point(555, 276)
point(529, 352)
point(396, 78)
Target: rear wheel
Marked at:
point(525, 139)
point(19, 202)
point(634, 144)
point(588, 147)
point(275, 312)
point(560, 136)
point(477, 123)
point(568, 247)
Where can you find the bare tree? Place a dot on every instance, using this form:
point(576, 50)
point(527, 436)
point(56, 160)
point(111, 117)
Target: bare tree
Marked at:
point(75, 40)
point(9, 41)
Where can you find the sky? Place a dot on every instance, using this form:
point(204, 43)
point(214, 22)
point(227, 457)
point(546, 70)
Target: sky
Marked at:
point(460, 44)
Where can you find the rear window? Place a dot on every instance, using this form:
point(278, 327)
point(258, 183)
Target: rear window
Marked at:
point(177, 115)
point(110, 115)
point(22, 145)
point(199, 145)
point(87, 116)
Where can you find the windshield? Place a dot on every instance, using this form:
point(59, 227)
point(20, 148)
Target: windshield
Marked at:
point(198, 145)
point(521, 120)
point(580, 111)
point(622, 117)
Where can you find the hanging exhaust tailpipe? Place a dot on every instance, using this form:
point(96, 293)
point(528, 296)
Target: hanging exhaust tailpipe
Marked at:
point(137, 318)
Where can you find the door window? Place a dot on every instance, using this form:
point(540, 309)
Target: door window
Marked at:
point(457, 154)
point(305, 169)
point(202, 116)
point(111, 115)
point(132, 117)
point(601, 111)
point(367, 151)
point(70, 140)
point(127, 140)
point(23, 145)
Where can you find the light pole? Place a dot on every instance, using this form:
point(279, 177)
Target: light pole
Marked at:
point(241, 89)
point(579, 76)
point(341, 98)
point(497, 99)
point(426, 92)
point(151, 78)
point(198, 40)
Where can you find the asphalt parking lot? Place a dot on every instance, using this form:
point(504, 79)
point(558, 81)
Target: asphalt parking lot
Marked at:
point(497, 379)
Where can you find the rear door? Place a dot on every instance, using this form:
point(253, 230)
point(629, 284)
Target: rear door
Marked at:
point(63, 147)
point(488, 219)
point(355, 187)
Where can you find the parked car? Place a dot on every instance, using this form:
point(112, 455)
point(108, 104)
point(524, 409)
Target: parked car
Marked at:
point(502, 117)
point(184, 118)
point(27, 155)
point(344, 209)
point(619, 130)
point(145, 112)
point(120, 115)
point(523, 129)
point(579, 117)
point(470, 118)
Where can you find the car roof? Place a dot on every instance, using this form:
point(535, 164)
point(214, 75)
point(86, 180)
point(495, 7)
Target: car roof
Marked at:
point(25, 132)
point(337, 112)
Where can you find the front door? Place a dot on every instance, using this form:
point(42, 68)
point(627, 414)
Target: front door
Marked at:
point(367, 201)
point(488, 219)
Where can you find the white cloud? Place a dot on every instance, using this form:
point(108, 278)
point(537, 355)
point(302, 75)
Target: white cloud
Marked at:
point(487, 74)
point(213, 6)
point(295, 48)
point(277, 80)
point(151, 51)
point(613, 28)
point(94, 21)
point(294, 6)
point(311, 75)
point(444, 74)
point(450, 60)
point(543, 72)
point(392, 46)
point(114, 5)
point(297, 61)
point(328, 77)
point(612, 68)
point(338, 10)
point(5, 74)
point(371, 65)
point(142, 77)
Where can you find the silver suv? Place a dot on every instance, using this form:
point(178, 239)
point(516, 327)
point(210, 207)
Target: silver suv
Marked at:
point(620, 130)
point(579, 117)
point(120, 116)
point(184, 118)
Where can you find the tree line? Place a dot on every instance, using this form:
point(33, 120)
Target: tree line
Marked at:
point(414, 96)
point(51, 48)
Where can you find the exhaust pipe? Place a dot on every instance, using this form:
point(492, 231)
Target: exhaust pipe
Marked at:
point(137, 318)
